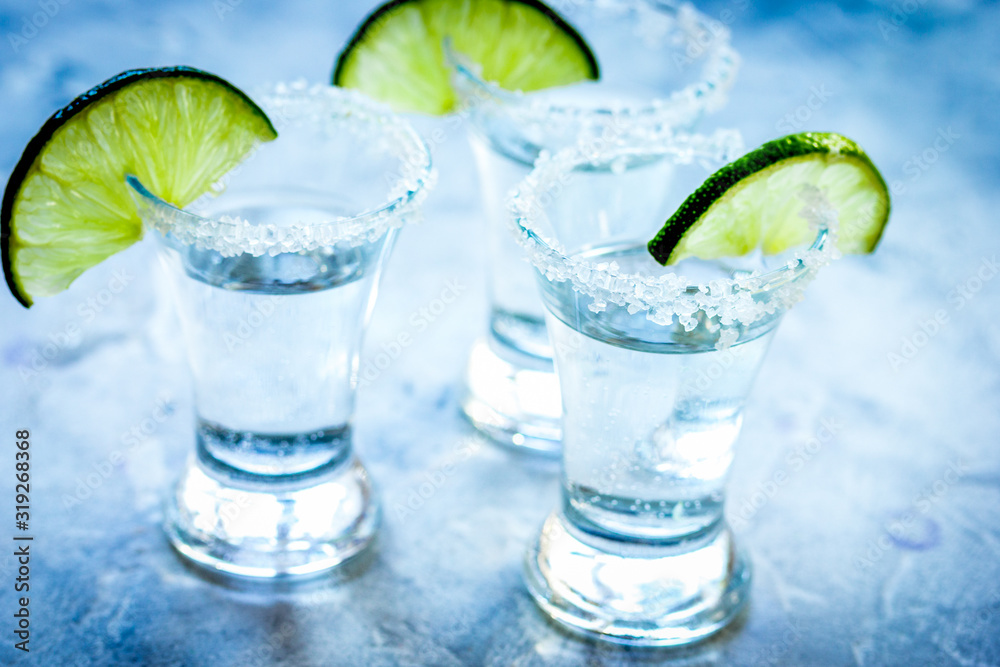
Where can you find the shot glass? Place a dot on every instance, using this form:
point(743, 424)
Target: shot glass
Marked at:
point(274, 280)
point(663, 66)
point(655, 365)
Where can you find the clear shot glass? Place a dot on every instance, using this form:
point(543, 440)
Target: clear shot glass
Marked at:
point(663, 66)
point(655, 365)
point(274, 280)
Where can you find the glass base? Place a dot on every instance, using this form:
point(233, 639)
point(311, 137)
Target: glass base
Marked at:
point(257, 526)
point(513, 398)
point(636, 593)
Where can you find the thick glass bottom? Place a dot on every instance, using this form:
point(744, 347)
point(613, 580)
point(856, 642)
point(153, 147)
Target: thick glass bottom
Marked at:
point(513, 398)
point(265, 527)
point(634, 593)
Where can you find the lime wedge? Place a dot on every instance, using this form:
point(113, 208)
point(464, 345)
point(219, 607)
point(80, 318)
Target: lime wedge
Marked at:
point(66, 207)
point(755, 201)
point(396, 55)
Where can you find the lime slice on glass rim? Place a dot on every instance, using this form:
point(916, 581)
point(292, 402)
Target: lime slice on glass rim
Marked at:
point(396, 56)
point(67, 207)
point(754, 202)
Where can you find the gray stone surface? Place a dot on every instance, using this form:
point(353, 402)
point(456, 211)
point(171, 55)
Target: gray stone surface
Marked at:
point(835, 583)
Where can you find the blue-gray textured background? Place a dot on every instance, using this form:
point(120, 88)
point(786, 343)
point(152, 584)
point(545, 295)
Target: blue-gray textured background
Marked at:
point(838, 580)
